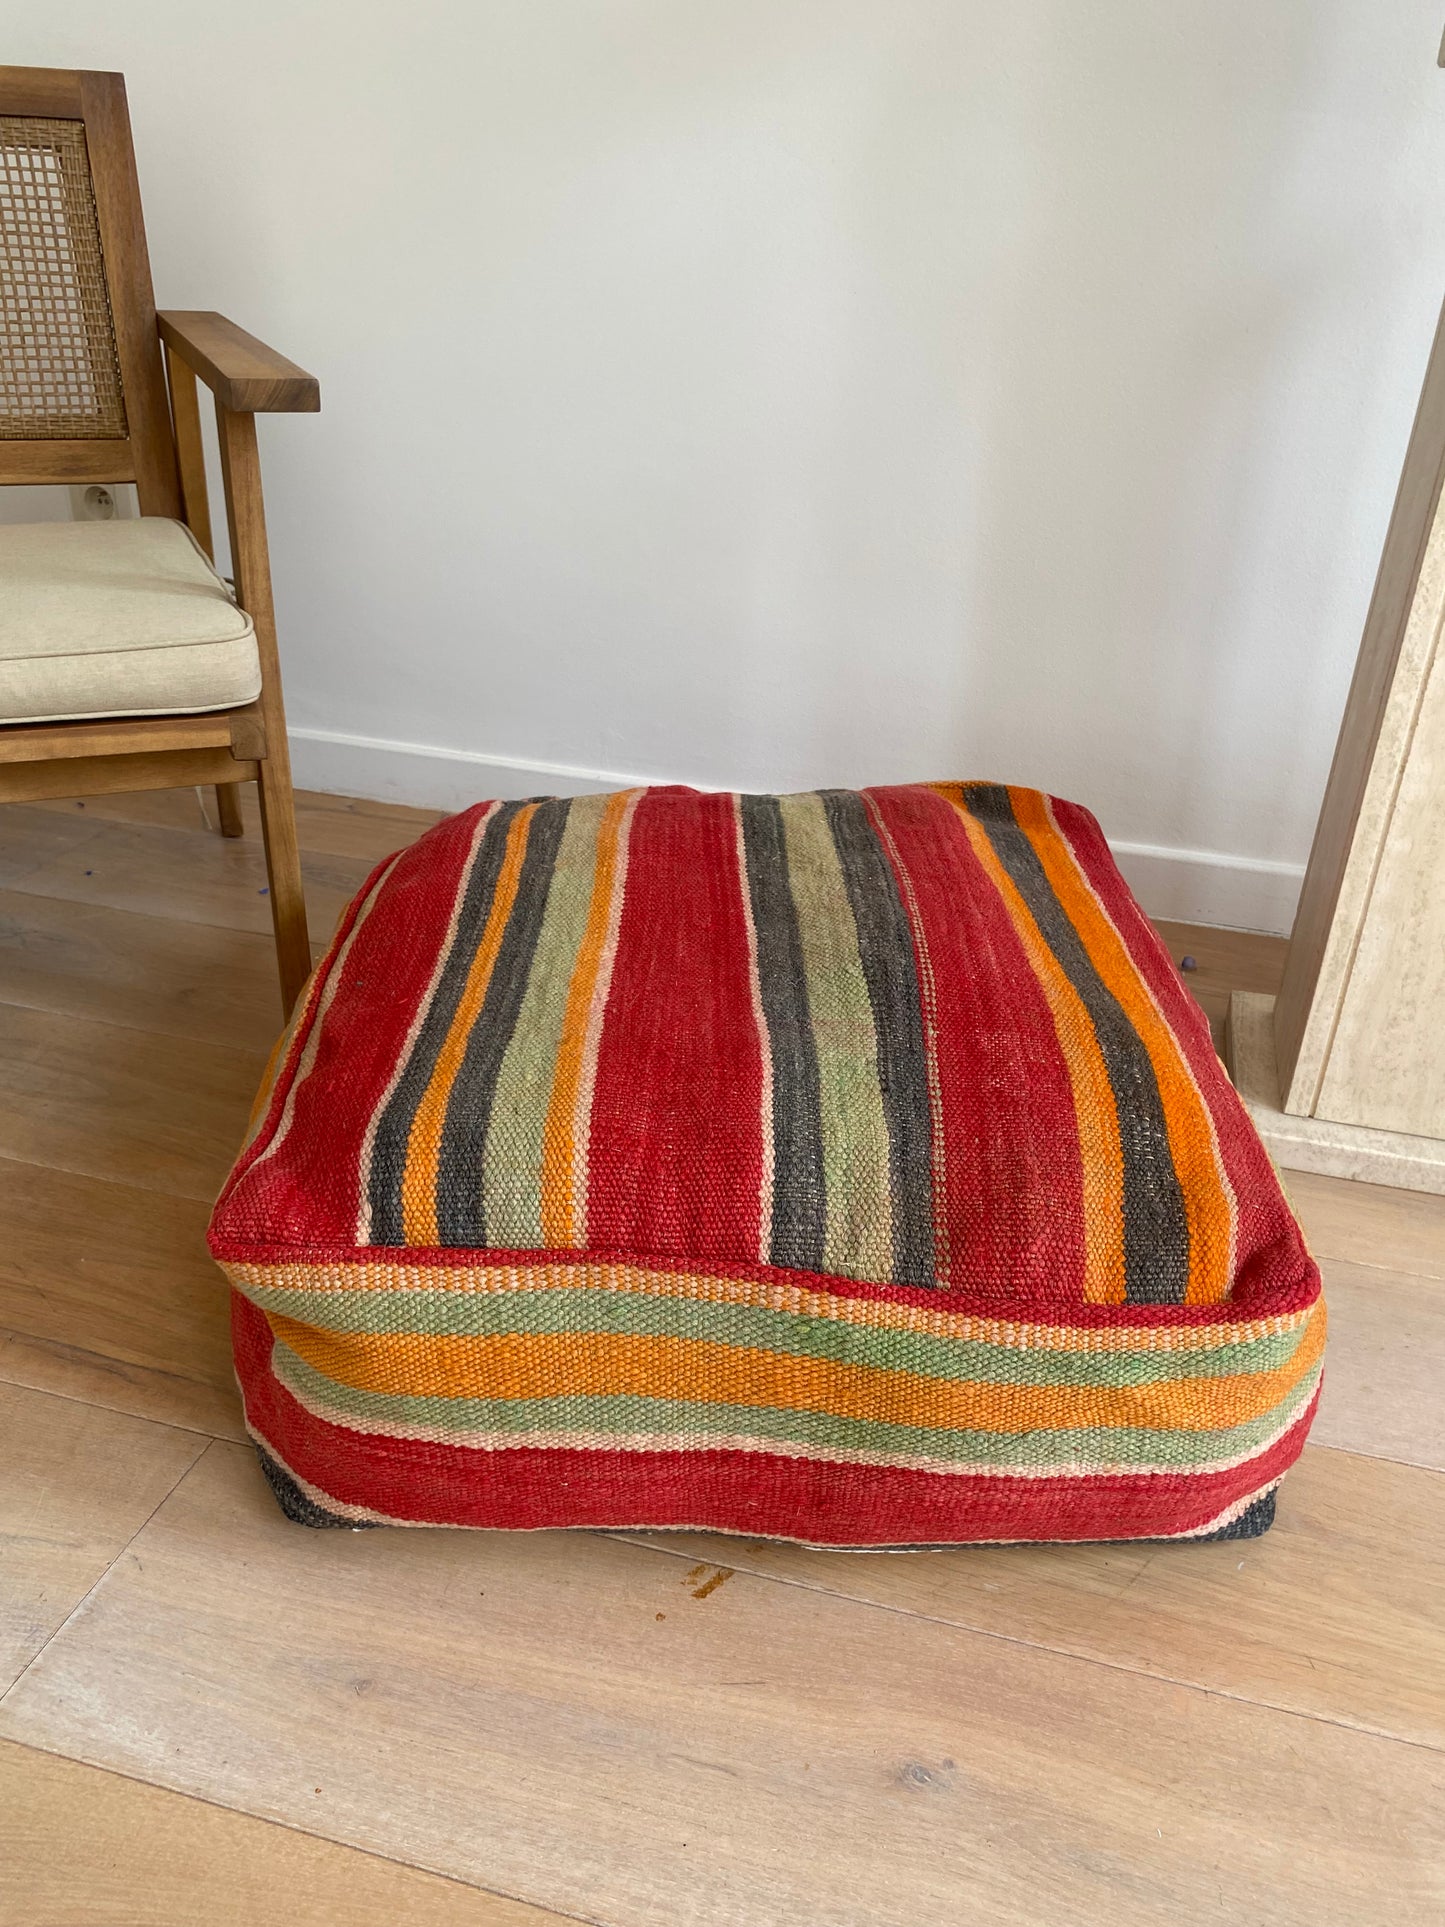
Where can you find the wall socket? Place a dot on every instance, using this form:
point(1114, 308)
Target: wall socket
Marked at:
point(102, 502)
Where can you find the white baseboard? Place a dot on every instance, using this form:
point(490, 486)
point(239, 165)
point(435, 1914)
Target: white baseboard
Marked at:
point(1189, 886)
point(1211, 886)
point(435, 779)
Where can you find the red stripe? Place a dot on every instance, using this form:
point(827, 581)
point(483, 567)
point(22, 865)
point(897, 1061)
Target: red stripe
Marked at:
point(675, 1150)
point(687, 1166)
point(1012, 1182)
point(1271, 1249)
point(721, 1491)
point(310, 1016)
point(311, 1187)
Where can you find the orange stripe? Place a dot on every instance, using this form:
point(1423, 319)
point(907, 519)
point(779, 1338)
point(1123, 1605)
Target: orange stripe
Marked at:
point(1095, 1111)
point(517, 1365)
point(1208, 1205)
point(562, 1180)
point(403, 1057)
point(423, 1148)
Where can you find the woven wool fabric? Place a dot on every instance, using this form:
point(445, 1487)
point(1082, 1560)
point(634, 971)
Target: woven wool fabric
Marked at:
point(849, 1167)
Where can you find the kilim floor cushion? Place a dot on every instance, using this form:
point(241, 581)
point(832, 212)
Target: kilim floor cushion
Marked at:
point(848, 1167)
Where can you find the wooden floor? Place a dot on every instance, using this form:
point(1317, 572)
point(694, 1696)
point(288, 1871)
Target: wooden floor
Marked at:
point(212, 1717)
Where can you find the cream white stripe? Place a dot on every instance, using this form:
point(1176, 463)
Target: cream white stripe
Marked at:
point(307, 1061)
point(359, 1514)
point(402, 1278)
point(765, 1042)
point(596, 1013)
point(1229, 1514)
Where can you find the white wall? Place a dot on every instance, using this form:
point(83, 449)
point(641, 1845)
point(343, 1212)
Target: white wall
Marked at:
point(788, 392)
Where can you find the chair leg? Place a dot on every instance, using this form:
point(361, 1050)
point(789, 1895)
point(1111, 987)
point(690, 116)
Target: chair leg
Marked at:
point(283, 869)
point(228, 809)
point(246, 520)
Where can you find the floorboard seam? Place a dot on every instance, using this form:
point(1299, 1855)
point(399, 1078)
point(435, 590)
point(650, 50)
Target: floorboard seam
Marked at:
point(79, 1171)
point(1059, 1652)
point(108, 1023)
point(309, 1833)
point(116, 1184)
point(14, 886)
point(1431, 1278)
point(101, 1577)
point(98, 1405)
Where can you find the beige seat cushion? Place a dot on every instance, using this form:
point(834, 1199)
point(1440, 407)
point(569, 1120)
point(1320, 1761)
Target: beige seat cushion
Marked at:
point(117, 619)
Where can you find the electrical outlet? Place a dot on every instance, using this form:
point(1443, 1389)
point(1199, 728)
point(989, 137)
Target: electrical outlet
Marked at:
point(101, 502)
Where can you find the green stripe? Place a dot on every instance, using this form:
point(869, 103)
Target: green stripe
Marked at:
point(512, 1162)
point(459, 1314)
point(460, 1207)
point(885, 950)
point(455, 1419)
point(798, 1207)
point(858, 1242)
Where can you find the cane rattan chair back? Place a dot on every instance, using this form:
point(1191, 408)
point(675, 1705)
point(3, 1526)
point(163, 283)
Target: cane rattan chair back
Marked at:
point(60, 373)
point(82, 386)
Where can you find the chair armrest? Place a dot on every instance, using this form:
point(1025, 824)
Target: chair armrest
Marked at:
point(244, 374)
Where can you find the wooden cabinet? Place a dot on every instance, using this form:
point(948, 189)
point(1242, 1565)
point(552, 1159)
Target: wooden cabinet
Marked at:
point(1345, 1070)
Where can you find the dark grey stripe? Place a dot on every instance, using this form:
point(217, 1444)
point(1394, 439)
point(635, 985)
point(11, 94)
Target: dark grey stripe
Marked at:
point(461, 1213)
point(885, 949)
point(298, 1506)
point(1156, 1230)
point(388, 1157)
point(800, 1200)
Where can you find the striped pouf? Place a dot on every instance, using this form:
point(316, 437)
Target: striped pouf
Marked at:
point(848, 1167)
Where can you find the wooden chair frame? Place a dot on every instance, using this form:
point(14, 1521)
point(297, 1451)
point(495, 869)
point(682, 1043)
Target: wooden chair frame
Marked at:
point(161, 356)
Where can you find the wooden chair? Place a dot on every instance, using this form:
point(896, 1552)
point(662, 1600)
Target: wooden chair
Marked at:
point(95, 386)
